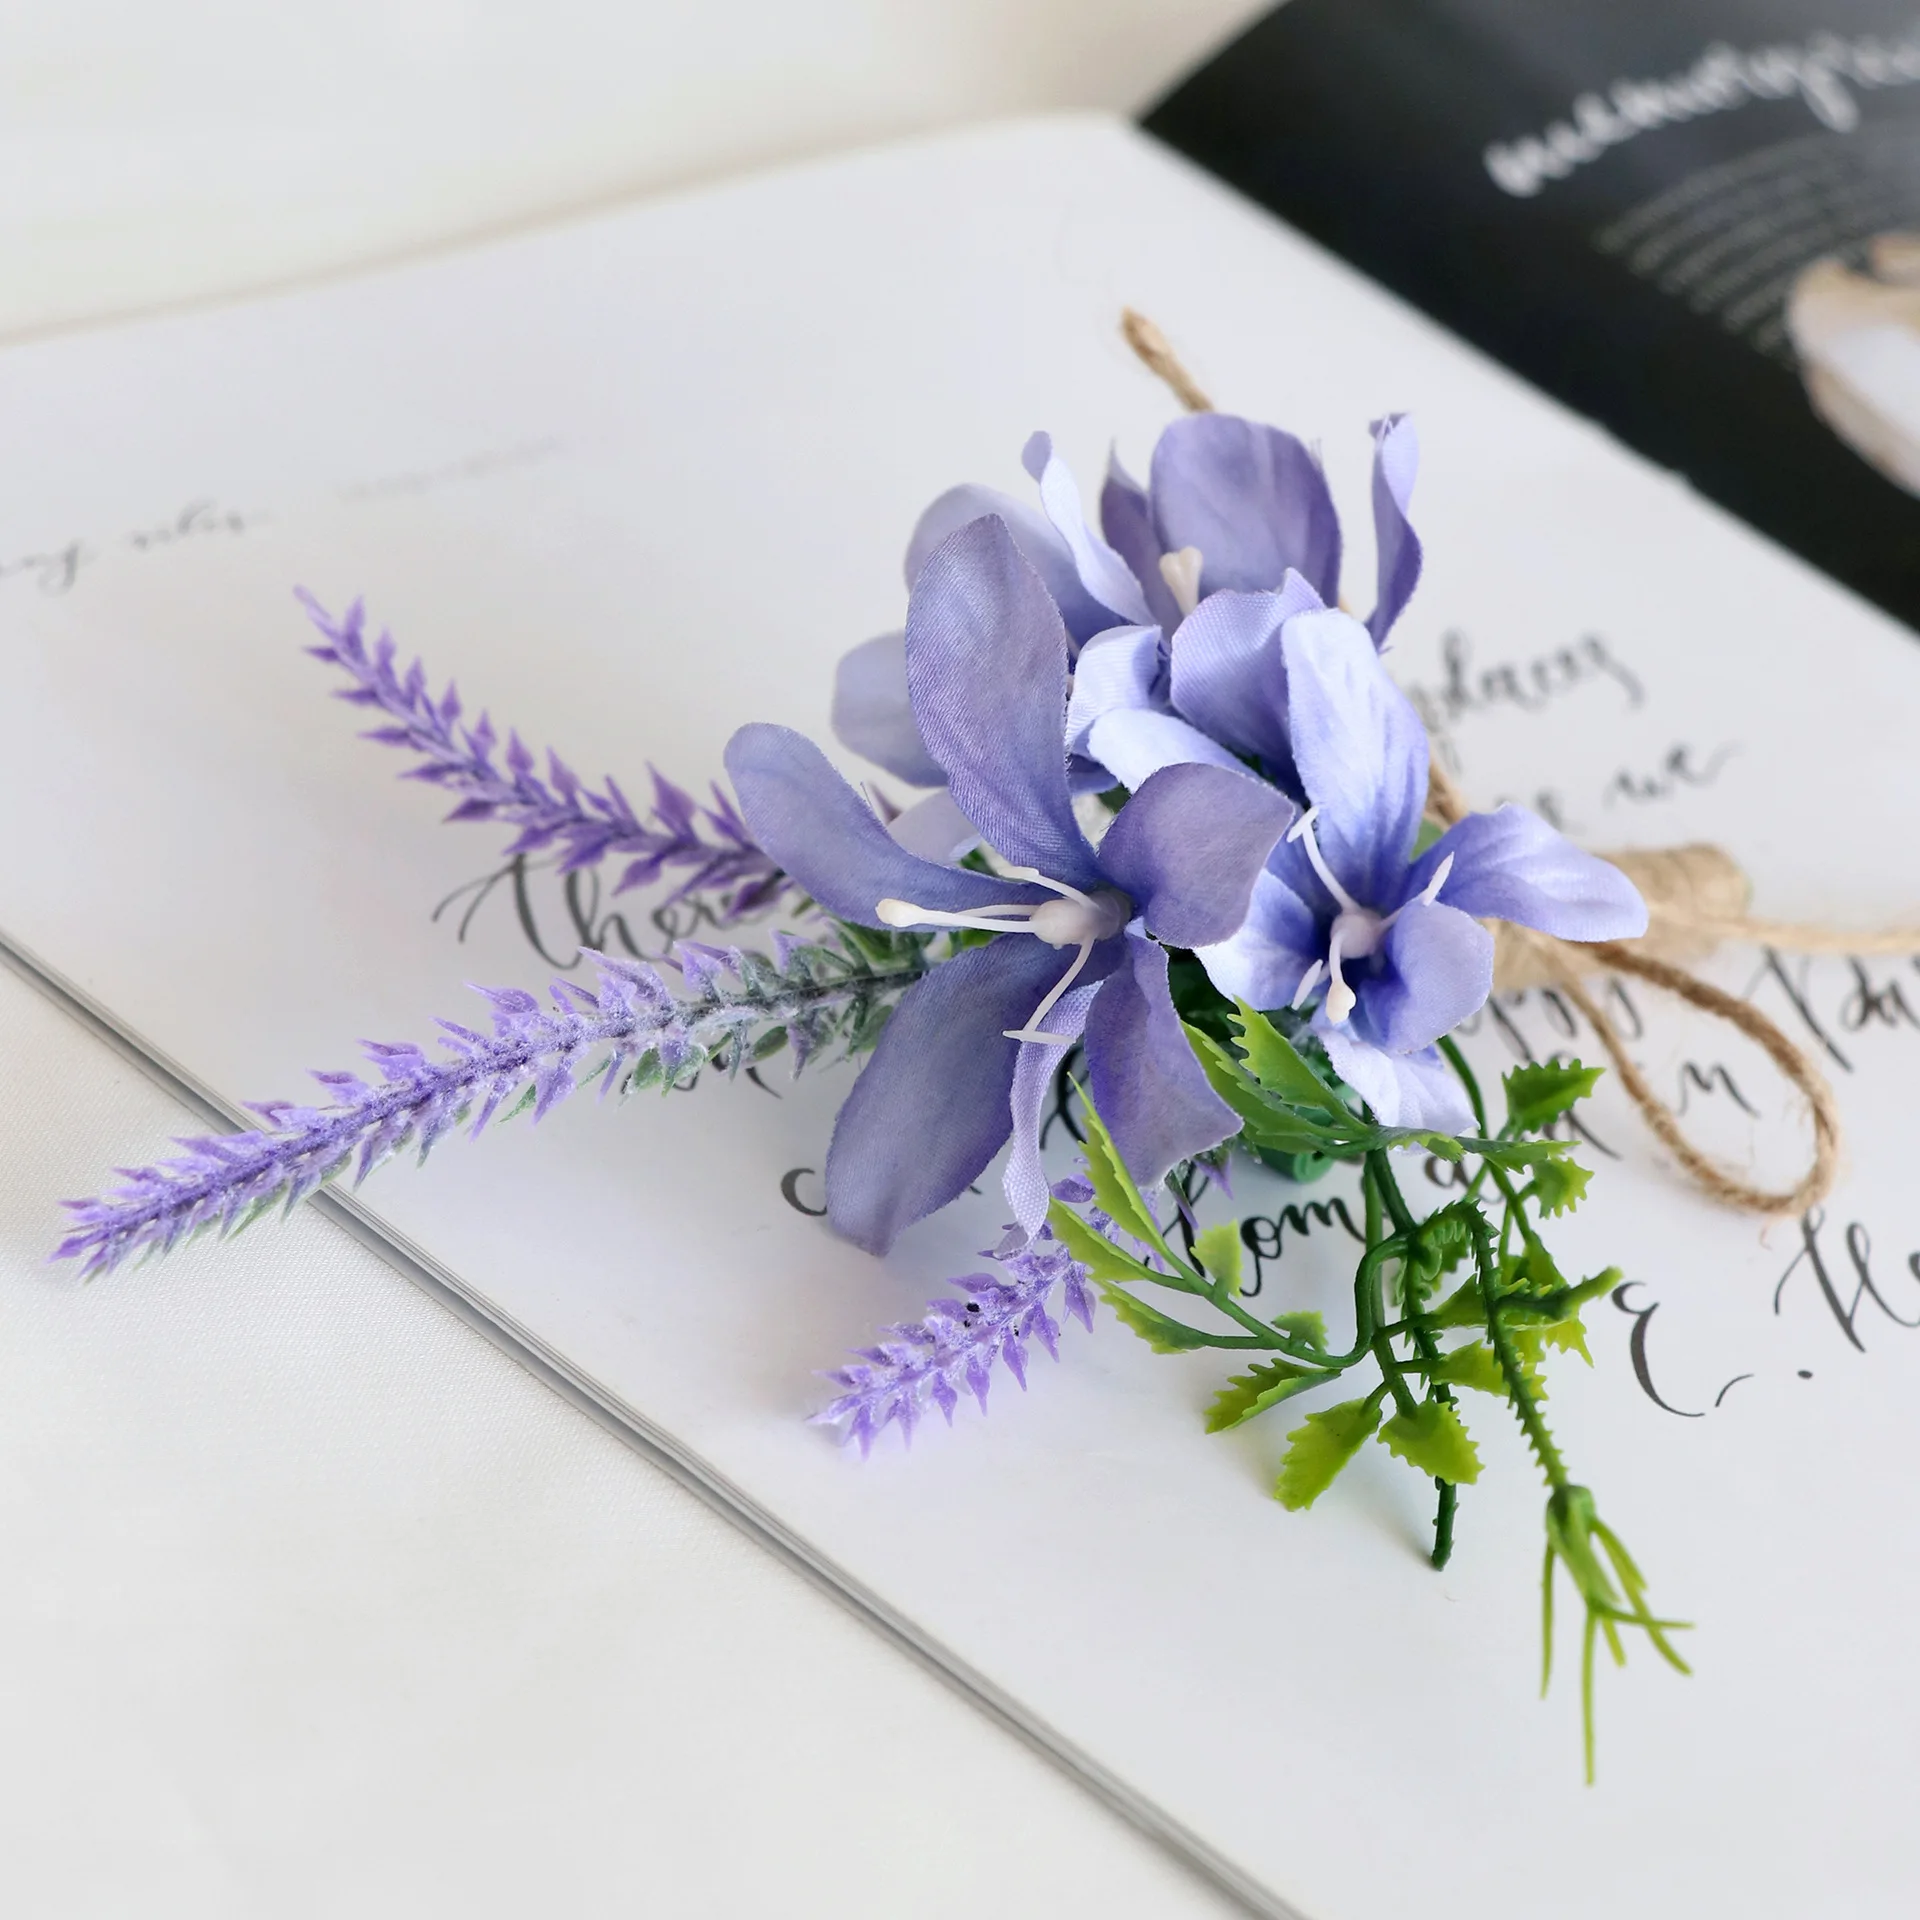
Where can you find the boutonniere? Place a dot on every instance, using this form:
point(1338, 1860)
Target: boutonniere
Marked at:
point(1182, 872)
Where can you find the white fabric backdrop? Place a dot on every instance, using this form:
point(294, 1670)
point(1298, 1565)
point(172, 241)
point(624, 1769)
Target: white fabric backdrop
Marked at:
point(313, 1604)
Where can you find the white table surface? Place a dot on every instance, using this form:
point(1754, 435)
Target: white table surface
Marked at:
point(311, 1602)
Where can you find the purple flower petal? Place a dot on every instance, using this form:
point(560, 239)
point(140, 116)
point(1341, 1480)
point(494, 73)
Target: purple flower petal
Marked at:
point(829, 839)
point(1438, 969)
point(1025, 1181)
point(1396, 459)
point(873, 716)
point(931, 1107)
point(1121, 670)
point(1126, 518)
point(1188, 847)
point(1226, 672)
point(1361, 751)
point(1403, 1089)
point(987, 663)
point(1510, 865)
point(1264, 961)
point(1102, 571)
point(1251, 498)
point(1133, 744)
point(1145, 1081)
point(935, 829)
point(1048, 553)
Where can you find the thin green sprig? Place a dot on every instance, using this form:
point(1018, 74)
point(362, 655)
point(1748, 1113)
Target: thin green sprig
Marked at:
point(1511, 1303)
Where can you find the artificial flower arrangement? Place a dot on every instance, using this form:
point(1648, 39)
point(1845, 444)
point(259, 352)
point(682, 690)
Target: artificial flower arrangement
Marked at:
point(1174, 851)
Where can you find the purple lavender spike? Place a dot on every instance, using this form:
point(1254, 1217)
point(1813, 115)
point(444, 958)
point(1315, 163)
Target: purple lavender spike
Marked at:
point(954, 1347)
point(222, 1182)
point(709, 846)
point(702, 966)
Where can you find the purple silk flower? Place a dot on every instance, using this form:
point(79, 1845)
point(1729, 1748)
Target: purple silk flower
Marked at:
point(970, 1050)
point(1232, 506)
point(1202, 681)
point(1393, 945)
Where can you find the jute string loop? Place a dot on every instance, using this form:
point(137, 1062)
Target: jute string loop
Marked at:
point(1696, 899)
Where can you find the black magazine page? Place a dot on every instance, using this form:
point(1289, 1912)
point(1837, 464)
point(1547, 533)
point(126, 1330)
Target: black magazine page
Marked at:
point(1697, 221)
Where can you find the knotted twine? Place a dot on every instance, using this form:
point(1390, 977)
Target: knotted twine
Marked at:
point(1697, 898)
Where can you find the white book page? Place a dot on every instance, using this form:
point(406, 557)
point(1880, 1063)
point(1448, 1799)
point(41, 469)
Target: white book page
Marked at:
point(639, 480)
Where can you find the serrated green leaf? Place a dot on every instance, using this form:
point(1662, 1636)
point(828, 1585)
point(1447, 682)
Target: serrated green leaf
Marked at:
point(1476, 1366)
point(1160, 1333)
point(1529, 1350)
point(1516, 1156)
point(1432, 1439)
point(1113, 1190)
point(1567, 1333)
point(1540, 1092)
point(1461, 1308)
point(1318, 1450)
point(1095, 1251)
point(1274, 1063)
point(1307, 1327)
point(1532, 1271)
point(1265, 1385)
point(1263, 1121)
point(1593, 1289)
point(1218, 1250)
point(1440, 1243)
point(1569, 1336)
point(1559, 1186)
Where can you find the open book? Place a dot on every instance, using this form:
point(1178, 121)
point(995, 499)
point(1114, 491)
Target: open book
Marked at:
point(638, 480)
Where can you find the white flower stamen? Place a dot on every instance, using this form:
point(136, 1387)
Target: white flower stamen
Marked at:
point(1302, 830)
point(1357, 931)
point(1181, 572)
point(1075, 919)
point(1431, 891)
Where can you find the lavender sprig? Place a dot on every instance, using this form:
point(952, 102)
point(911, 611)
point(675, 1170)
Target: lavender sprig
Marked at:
point(954, 1346)
point(633, 1033)
point(710, 843)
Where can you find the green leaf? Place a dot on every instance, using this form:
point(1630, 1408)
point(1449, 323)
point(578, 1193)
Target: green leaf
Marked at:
point(1461, 1308)
point(1432, 1439)
point(1540, 1092)
point(1308, 1328)
point(1559, 1186)
point(1531, 1271)
point(1096, 1252)
point(1527, 1349)
point(1476, 1366)
point(1113, 1189)
point(1280, 1070)
point(1264, 1121)
point(1218, 1251)
point(1569, 1336)
point(1318, 1450)
point(1160, 1333)
point(1265, 1385)
point(1516, 1156)
point(1440, 1243)
point(1567, 1333)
